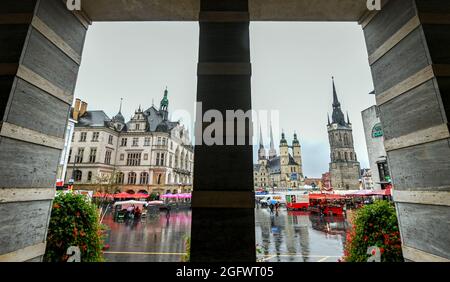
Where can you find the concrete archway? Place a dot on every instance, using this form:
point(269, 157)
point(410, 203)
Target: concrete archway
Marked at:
point(408, 46)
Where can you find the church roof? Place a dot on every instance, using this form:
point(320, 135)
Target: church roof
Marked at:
point(93, 118)
point(155, 118)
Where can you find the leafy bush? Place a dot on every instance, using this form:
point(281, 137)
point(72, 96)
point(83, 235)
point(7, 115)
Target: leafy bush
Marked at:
point(74, 222)
point(374, 225)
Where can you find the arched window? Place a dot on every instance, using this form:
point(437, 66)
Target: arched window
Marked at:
point(144, 178)
point(89, 178)
point(78, 175)
point(346, 156)
point(120, 177)
point(345, 139)
point(132, 178)
point(340, 136)
point(339, 155)
point(351, 156)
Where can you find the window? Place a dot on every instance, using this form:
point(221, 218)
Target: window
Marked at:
point(144, 178)
point(89, 177)
point(73, 137)
point(135, 141)
point(108, 157)
point(134, 159)
point(159, 179)
point(171, 145)
point(123, 142)
point(95, 136)
point(79, 156)
point(122, 157)
point(92, 155)
point(83, 136)
point(137, 126)
point(159, 141)
point(70, 155)
point(110, 140)
point(145, 157)
point(147, 141)
point(78, 175)
point(132, 178)
point(120, 177)
point(159, 159)
point(170, 161)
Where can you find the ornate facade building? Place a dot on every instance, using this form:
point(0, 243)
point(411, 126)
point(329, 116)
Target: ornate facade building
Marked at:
point(149, 153)
point(283, 171)
point(344, 165)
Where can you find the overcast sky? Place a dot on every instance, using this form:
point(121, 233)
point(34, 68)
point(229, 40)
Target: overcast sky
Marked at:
point(292, 68)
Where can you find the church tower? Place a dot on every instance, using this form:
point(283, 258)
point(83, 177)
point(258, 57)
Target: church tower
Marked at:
point(344, 165)
point(297, 153)
point(284, 161)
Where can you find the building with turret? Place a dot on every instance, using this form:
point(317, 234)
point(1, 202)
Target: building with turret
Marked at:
point(149, 153)
point(344, 165)
point(282, 171)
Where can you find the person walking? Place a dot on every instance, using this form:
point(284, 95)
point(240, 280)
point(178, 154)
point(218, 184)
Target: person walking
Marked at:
point(271, 208)
point(168, 211)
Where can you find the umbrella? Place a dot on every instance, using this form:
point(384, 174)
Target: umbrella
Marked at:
point(273, 202)
point(140, 196)
point(122, 195)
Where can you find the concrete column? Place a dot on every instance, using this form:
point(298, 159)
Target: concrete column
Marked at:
point(408, 42)
point(40, 54)
point(223, 223)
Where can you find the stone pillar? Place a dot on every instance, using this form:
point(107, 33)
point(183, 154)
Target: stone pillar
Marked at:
point(40, 54)
point(223, 223)
point(408, 43)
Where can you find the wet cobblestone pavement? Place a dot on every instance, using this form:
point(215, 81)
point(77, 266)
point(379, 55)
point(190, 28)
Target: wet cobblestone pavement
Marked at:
point(288, 236)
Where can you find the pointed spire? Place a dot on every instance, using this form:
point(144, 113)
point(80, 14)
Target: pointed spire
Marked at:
point(260, 138)
point(272, 151)
point(272, 145)
point(338, 115)
point(348, 119)
point(120, 108)
point(328, 116)
point(335, 97)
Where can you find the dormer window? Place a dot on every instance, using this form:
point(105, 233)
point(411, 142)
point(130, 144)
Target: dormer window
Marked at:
point(137, 126)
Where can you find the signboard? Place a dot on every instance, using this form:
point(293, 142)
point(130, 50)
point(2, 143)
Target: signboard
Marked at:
point(377, 131)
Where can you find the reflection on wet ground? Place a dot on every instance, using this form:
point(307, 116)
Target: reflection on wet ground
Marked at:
point(295, 236)
point(286, 236)
point(151, 239)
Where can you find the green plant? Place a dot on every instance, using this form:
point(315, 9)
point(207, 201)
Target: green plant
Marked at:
point(74, 222)
point(187, 246)
point(374, 225)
